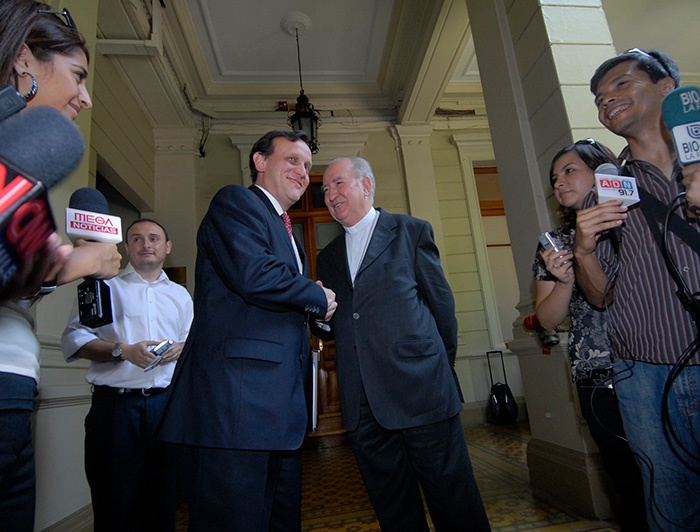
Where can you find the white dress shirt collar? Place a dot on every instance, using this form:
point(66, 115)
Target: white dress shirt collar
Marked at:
point(273, 200)
point(278, 208)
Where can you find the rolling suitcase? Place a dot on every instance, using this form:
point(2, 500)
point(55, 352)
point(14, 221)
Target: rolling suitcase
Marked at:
point(502, 407)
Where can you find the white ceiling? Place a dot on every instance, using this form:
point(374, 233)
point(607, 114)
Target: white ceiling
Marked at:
point(370, 60)
point(344, 41)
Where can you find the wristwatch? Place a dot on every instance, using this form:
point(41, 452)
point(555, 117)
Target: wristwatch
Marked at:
point(117, 352)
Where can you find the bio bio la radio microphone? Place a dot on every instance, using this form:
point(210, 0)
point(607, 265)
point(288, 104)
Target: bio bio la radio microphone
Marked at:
point(38, 148)
point(87, 217)
point(681, 112)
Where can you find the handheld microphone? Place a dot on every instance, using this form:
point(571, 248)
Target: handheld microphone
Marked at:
point(38, 148)
point(87, 216)
point(610, 185)
point(681, 112)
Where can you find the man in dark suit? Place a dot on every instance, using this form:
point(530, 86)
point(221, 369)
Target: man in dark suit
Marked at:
point(396, 339)
point(237, 408)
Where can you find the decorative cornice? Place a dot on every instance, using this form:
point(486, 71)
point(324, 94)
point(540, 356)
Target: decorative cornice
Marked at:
point(176, 140)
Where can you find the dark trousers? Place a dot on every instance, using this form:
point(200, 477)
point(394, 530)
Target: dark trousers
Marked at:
point(131, 475)
point(241, 491)
point(601, 411)
point(395, 464)
point(17, 475)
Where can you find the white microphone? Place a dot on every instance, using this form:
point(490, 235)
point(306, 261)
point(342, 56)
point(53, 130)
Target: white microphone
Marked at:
point(87, 217)
point(610, 185)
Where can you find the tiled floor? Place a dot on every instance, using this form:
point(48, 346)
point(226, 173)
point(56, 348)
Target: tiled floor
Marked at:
point(334, 498)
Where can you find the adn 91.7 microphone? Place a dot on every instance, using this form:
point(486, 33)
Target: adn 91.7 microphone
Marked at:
point(38, 148)
point(87, 217)
point(610, 185)
point(681, 112)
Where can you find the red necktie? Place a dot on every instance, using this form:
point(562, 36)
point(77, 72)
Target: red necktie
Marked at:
point(287, 224)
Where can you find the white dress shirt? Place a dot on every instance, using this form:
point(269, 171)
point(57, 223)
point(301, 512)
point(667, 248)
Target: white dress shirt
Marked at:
point(357, 240)
point(161, 310)
point(278, 208)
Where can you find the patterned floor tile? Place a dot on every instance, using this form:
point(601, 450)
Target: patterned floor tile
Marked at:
point(334, 497)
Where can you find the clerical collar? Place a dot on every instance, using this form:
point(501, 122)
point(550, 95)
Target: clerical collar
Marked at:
point(367, 220)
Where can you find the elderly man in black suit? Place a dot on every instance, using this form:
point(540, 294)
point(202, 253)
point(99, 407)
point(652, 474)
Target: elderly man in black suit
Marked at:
point(396, 339)
point(237, 407)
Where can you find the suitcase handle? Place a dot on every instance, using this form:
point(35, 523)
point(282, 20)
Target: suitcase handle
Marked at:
point(505, 377)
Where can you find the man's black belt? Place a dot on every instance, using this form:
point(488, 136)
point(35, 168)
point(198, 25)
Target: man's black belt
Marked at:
point(128, 391)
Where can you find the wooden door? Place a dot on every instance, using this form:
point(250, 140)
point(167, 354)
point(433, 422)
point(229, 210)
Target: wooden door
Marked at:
point(315, 227)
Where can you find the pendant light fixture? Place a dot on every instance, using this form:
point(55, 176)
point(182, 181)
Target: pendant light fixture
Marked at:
point(303, 116)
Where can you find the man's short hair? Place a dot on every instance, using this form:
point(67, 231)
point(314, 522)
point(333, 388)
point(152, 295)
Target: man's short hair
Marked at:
point(140, 220)
point(360, 168)
point(265, 146)
point(656, 64)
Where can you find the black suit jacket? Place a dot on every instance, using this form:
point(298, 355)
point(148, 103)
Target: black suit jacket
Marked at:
point(239, 383)
point(395, 330)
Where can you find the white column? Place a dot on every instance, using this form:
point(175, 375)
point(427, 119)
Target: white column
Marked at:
point(417, 160)
point(175, 192)
point(469, 147)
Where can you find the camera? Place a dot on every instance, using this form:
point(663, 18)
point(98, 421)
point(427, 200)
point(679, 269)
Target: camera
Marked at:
point(549, 338)
point(158, 352)
point(547, 241)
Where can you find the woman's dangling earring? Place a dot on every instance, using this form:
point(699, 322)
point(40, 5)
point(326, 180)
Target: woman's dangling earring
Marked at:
point(29, 95)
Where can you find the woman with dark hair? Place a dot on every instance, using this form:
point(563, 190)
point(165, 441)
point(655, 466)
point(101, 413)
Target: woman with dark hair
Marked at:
point(572, 176)
point(43, 57)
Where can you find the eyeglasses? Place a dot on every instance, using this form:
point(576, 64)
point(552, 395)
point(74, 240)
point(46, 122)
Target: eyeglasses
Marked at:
point(65, 14)
point(645, 54)
point(591, 141)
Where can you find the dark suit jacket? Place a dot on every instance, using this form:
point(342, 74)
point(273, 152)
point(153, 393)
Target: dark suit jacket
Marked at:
point(395, 331)
point(239, 383)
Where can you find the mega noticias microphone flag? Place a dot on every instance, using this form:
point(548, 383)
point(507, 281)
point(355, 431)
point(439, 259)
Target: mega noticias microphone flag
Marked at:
point(87, 216)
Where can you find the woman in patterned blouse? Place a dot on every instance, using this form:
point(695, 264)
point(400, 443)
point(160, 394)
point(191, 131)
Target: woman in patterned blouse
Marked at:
point(572, 176)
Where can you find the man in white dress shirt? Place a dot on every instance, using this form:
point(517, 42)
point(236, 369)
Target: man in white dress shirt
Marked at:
point(131, 475)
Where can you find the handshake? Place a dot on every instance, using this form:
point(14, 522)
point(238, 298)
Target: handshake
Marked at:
point(332, 304)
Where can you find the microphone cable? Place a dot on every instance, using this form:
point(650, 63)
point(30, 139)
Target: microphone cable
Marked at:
point(691, 304)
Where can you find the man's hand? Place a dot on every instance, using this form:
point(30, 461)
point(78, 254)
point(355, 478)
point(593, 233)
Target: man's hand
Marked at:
point(590, 225)
point(592, 222)
point(138, 354)
point(330, 300)
point(172, 354)
point(691, 181)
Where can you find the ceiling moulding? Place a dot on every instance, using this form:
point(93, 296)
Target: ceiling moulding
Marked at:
point(450, 35)
point(150, 78)
point(279, 121)
point(151, 47)
point(253, 127)
point(270, 103)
